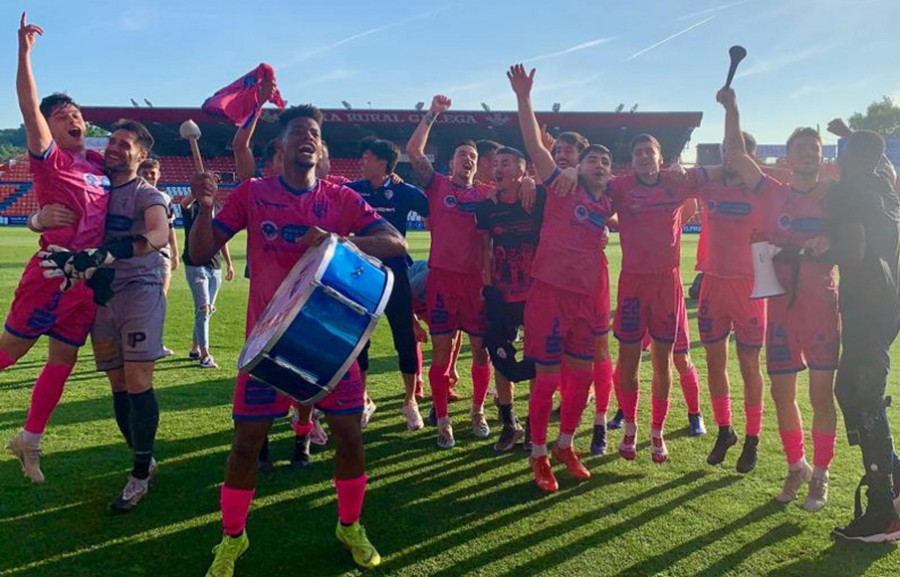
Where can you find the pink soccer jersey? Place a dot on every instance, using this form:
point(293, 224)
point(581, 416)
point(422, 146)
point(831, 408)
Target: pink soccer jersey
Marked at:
point(650, 220)
point(276, 217)
point(455, 241)
point(731, 220)
point(78, 183)
point(569, 253)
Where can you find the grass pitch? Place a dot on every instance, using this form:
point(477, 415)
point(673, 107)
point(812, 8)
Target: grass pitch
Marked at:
point(467, 511)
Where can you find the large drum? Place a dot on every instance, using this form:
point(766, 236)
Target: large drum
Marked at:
point(318, 321)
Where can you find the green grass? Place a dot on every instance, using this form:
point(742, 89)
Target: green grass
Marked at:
point(462, 512)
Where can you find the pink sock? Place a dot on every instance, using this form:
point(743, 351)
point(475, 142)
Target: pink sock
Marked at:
point(540, 405)
point(481, 380)
point(574, 399)
point(659, 411)
point(823, 448)
point(602, 385)
point(792, 441)
point(350, 495)
point(690, 387)
point(235, 507)
point(45, 395)
point(6, 360)
point(722, 411)
point(617, 386)
point(754, 419)
point(439, 381)
point(629, 404)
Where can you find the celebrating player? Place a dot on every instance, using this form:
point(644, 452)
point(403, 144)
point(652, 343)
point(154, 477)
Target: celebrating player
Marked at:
point(295, 201)
point(513, 234)
point(393, 200)
point(73, 182)
point(802, 325)
point(563, 313)
point(455, 277)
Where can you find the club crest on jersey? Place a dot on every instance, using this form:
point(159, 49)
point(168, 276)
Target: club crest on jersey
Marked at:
point(784, 221)
point(450, 201)
point(269, 229)
point(581, 213)
point(388, 194)
point(96, 180)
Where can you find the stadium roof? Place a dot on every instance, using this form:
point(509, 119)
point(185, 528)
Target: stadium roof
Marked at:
point(343, 129)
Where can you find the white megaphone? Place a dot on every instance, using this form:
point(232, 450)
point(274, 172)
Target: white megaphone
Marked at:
point(765, 282)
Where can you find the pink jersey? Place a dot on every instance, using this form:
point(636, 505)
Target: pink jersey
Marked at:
point(569, 254)
point(276, 216)
point(791, 217)
point(650, 220)
point(731, 220)
point(456, 244)
point(78, 183)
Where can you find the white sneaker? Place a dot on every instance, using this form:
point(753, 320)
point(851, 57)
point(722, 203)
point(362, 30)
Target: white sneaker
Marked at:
point(29, 457)
point(480, 426)
point(318, 436)
point(414, 420)
point(368, 411)
point(817, 496)
point(131, 495)
point(168, 352)
point(792, 483)
point(208, 362)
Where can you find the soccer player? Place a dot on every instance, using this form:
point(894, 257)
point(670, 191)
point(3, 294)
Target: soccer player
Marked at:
point(63, 175)
point(509, 248)
point(204, 280)
point(394, 200)
point(127, 332)
point(562, 312)
point(487, 152)
point(455, 277)
point(865, 236)
point(802, 325)
point(650, 296)
point(304, 210)
point(731, 222)
point(150, 171)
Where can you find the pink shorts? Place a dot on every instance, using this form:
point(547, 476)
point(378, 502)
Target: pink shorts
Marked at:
point(725, 305)
point(805, 335)
point(651, 302)
point(454, 302)
point(40, 308)
point(559, 322)
point(602, 305)
point(256, 401)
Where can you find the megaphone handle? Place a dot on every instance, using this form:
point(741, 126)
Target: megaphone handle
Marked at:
point(195, 152)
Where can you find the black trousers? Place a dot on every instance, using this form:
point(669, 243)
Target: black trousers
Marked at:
point(866, 338)
point(503, 322)
point(399, 315)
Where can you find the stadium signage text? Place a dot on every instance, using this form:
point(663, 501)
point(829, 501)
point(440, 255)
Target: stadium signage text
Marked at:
point(363, 117)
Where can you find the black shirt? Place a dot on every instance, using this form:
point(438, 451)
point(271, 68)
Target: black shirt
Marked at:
point(189, 216)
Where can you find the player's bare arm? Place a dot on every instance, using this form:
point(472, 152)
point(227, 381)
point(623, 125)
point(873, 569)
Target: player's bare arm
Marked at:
point(415, 148)
point(37, 131)
point(735, 150)
point(245, 164)
point(382, 241)
point(522, 83)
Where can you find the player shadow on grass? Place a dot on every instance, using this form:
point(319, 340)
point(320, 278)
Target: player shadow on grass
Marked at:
point(171, 398)
point(840, 560)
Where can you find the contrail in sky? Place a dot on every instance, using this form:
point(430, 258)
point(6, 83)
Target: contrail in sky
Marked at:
point(576, 48)
point(672, 37)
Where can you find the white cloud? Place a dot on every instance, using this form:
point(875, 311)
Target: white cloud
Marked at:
point(763, 65)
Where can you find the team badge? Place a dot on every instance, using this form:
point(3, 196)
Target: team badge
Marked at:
point(388, 194)
point(450, 201)
point(581, 213)
point(784, 221)
point(269, 230)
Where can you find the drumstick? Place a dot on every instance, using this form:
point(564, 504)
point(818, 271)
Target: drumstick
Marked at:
point(737, 54)
point(191, 131)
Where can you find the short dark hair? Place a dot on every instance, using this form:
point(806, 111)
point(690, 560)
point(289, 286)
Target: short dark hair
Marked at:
point(644, 137)
point(149, 163)
point(749, 143)
point(382, 150)
point(803, 131)
point(576, 139)
point(302, 111)
point(141, 134)
point(598, 148)
point(514, 152)
point(865, 145)
point(485, 146)
point(465, 142)
point(54, 101)
point(270, 150)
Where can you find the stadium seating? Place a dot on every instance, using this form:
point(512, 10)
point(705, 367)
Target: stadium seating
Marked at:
point(346, 167)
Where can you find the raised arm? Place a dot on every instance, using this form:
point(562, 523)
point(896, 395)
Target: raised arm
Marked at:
point(415, 148)
point(521, 83)
point(735, 149)
point(205, 241)
point(244, 163)
point(37, 131)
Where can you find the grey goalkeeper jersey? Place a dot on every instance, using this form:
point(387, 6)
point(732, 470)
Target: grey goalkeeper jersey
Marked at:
point(125, 218)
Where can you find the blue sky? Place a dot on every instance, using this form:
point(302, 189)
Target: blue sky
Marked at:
point(809, 60)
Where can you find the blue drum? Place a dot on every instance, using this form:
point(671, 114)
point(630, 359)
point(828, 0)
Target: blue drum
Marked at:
point(318, 321)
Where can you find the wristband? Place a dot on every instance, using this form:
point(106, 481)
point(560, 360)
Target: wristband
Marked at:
point(35, 223)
